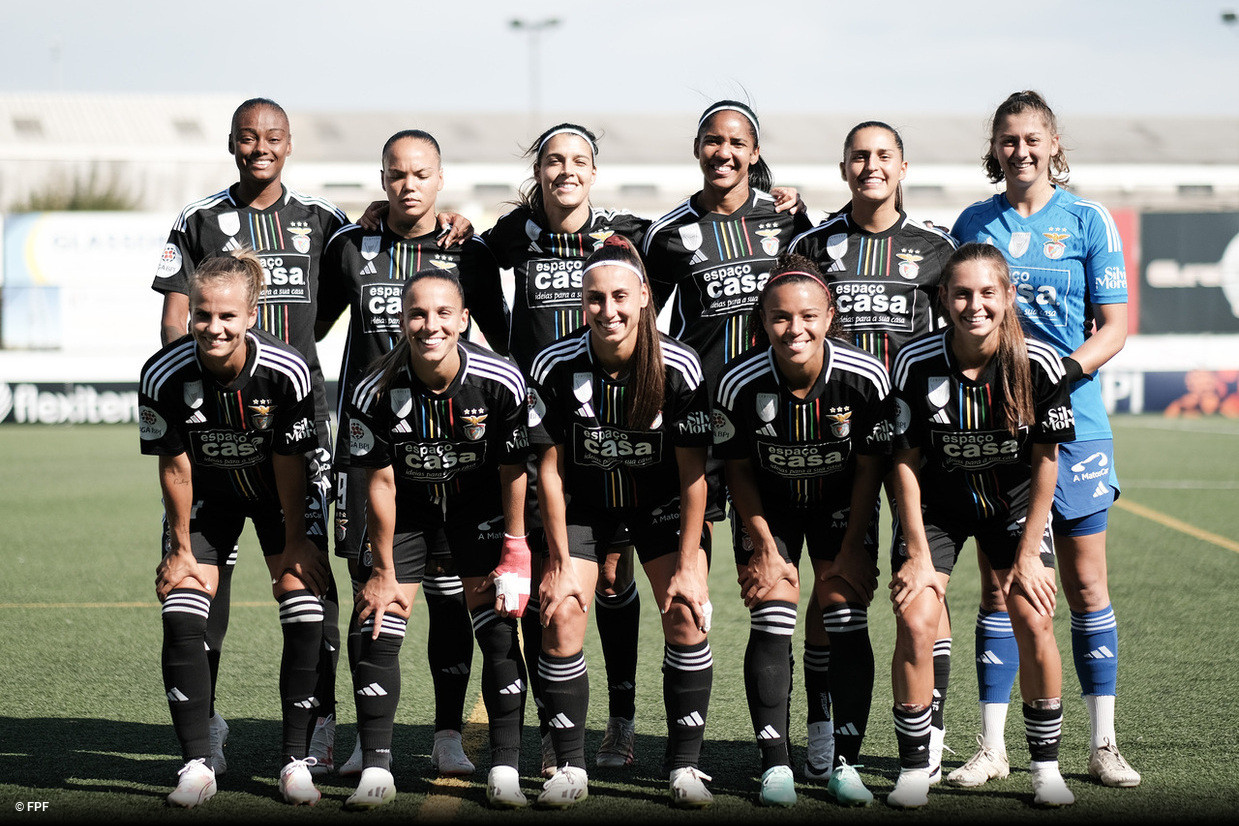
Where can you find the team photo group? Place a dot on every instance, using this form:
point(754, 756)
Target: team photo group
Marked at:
point(516, 463)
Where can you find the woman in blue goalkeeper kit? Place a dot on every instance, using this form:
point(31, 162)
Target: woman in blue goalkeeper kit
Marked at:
point(229, 411)
point(1066, 261)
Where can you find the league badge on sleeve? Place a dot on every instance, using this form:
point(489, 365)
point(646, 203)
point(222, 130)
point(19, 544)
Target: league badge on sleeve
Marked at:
point(169, 261)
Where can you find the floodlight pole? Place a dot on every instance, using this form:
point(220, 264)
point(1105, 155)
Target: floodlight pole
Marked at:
point(534, 29)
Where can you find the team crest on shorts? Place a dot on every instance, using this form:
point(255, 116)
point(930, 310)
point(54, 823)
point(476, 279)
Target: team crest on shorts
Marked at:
point(229, 223)
point(262, 411)
point(475, 423)
point(690, 236)
point(908, 264)
point(301, 235)
point(769, 241)
point(1018, 245)
point(1054, 246)
point(840, 421)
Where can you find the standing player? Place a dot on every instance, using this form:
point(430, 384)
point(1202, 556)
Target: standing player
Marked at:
point(713, 251)
point(365, 272)
point(620, 417)
point(288, 230)
point(803, 425)
point(883, 268)
point(229, 411)
point(1066, 260)
point(439, 427)
point(980, 415)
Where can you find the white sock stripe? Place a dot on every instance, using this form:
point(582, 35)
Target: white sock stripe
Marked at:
point(773, 619)
point(842, 619)
point(1095, 624)
point(913, 725)
point(562, 672)
point(443, 586)
point(190, 602)
point(483, 618)
point(995, 623)
point(942, 647)
point(817, 660)
point(393, 626)
point(698, 660)
point(302, 608)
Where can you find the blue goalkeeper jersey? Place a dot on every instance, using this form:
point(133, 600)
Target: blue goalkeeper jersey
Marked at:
point(1064, 259)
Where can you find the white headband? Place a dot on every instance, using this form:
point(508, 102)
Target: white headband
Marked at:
point(621, 264)
point(748, 115)
point(568, 130)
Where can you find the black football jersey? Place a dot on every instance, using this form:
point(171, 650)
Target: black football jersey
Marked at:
point(716, 265)
point(546, 267)
point(444, 448)
point(365, 271)
point(973, 468)
point(885, 283)
point(230, 432)
point(803, 451)
point(607, 463)
point(289, 237)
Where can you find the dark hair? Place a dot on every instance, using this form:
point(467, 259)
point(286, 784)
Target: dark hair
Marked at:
point(1015, 377)
point(1017, 103)
point(531, 191)
point(847, 147)
point(251, 104)
point(391, 362)
point(415, 134)
point(647, 370)
point(760, 176)
point(240, 265)
point(791, 268)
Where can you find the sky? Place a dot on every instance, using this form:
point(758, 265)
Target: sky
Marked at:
point(908, 56)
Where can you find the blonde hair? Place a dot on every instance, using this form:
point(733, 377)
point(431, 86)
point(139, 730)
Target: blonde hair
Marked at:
point(237, 265)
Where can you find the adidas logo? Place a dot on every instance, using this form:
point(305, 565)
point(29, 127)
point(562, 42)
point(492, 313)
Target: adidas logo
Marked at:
point(308, 703)
point(768, 733)
point(693, 720)
point(989, 657)
point(560, 721)
point(1101, 490)
point(533, 247)
point(460, 669)
point(513, 688)
point(369, 269)
point(233, 244)
point(175, 696)
point(1103, 653)
point(372, 690)
point(624, 686)
point(848, 730)
point(698, 257)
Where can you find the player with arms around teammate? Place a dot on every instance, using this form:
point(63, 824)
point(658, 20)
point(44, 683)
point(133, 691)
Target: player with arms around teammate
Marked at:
point(883, 268)
point(365, 272)
point(439, 427)
point(621, 421)
point(980, 414)
point(1066, 259)
point(229, 411)
point(803, 425)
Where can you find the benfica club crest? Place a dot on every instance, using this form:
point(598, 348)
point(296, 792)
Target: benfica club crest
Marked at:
point(262, 411)
point(840, 421)
point(769, 241)
point(300, 231)
point(1018, 245)
point(601, 236)
point(909, 264)
point(475, 423)
point(1054, 246)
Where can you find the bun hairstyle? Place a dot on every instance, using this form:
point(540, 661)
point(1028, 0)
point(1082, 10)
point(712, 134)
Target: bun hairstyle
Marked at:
point(531, 191)
point(1015, 376)
point(1017, 103)
point(395, 359)
point(415, 134)
point(760, 176)
point(647, 373)
point(238, 265)
point(791, 268)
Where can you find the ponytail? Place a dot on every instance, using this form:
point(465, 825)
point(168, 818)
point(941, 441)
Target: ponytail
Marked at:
point(760, 175)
